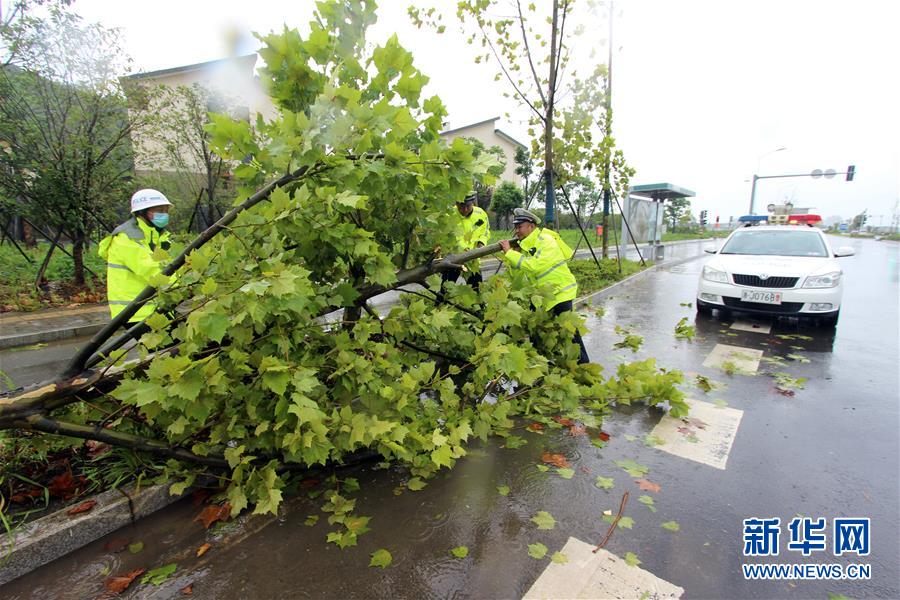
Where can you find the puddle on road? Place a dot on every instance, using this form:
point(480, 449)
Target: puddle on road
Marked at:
point(274, 557)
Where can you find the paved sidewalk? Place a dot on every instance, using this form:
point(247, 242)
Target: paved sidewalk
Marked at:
point(26, 328)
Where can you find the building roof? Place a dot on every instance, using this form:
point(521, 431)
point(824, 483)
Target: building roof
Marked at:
point(661, 191)
point(510, 139)
point(249, 58)
point(469, 126)
point(499, 132)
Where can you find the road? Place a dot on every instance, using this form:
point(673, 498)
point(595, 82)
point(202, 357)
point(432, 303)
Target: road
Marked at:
point(831, 450)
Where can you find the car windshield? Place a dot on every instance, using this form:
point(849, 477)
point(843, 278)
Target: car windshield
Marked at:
point(775, 243)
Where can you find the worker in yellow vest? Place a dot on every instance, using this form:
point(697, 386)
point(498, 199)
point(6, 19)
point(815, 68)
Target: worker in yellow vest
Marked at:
point(543, 257)
point(473, 230)
point(128, 252)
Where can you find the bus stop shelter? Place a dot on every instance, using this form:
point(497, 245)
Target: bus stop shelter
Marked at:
point(643, 214)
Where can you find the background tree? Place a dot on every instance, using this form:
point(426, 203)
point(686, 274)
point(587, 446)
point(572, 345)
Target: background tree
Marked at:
point(570, 117)
point(66, 126)
point(175, 141)
point(675, 211)
point(507, 197)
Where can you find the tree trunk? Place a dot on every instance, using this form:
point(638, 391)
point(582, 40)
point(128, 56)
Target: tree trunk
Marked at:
point(549, 217)
point(39, 279)
point(78, 257)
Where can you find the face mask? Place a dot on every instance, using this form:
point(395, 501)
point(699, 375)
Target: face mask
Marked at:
point(160, 219)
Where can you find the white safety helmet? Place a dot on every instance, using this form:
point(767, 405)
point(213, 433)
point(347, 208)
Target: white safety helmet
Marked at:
point(143, 199)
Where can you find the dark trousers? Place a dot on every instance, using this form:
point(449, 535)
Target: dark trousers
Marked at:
point(565, 307)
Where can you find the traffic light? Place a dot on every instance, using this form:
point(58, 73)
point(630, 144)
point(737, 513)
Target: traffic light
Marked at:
point(703, 214)
point(851, 170)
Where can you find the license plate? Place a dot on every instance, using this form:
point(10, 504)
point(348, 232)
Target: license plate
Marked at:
point(761, 297)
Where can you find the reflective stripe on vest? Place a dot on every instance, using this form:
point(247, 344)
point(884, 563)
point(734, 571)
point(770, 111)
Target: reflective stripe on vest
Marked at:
point(570, 286)
point(115, 266)
point(550, 270)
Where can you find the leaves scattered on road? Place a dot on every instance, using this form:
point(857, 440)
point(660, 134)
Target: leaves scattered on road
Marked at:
point(537, 550)
point(381, 558)
point(160, 575)
point(119, 584)
point(544, 520)
point(557, 460)
point(460, 551)
point(671, 525)
point(647, 485)
point(632, 468)
point(212, 513)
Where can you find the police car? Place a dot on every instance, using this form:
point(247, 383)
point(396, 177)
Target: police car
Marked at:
point(784, 270)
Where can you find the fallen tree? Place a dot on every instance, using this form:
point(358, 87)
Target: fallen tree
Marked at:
point(249, 380)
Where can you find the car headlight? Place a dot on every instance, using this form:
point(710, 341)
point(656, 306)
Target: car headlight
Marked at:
point(828, 280)
point(711, 274)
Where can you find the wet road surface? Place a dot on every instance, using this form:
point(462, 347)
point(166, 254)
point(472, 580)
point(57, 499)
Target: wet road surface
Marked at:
point(830, 451)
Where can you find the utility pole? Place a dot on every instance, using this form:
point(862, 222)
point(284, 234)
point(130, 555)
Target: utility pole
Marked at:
point(607, 183)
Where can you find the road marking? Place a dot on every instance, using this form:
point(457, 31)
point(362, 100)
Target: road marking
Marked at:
point(600, 575)
point(745, 359)
point(704, 436)
point(750, 326)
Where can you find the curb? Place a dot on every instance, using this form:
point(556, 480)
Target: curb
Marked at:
point(48, 538)
point(50, 335)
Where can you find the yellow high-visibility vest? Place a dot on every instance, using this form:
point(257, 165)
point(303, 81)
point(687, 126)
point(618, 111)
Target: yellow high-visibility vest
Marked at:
point(128, 252)
point(544, 260)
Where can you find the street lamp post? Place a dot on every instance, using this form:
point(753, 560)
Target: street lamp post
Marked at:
point(756, 176)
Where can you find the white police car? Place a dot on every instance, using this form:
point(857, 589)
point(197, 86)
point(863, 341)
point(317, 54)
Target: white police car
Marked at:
point(784, 270)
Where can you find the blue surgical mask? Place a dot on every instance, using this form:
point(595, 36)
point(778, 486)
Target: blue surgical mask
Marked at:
point(160, 219)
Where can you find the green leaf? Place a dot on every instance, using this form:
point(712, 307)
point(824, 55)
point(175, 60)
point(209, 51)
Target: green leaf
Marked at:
point(381, 558)
point(648, 502)
point(543, 468)
point(671, 525)
point(565, 473)
point(357, 525)
point(415, 484)
point(624, 522)
point(160, 575)
point(503, 490)
point(460, 551)
point(311, 520)
point(605, 483)
point(544, 520)
point(537, 550)
point(135, 547)
point(631, 559)
point(632, 468)
point(214, 325)
point(513, 441)
point(559, 558)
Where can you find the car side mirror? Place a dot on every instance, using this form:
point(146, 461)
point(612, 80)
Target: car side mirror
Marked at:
point(709, 250)
point(844, 251)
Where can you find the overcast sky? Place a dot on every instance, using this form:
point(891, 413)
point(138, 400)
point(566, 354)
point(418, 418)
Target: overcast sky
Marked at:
point(703, 91)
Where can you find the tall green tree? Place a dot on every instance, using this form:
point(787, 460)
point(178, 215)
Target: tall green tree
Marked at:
point(65, 125)
point(676, 210)
point(507, 197)
point(570, 114)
